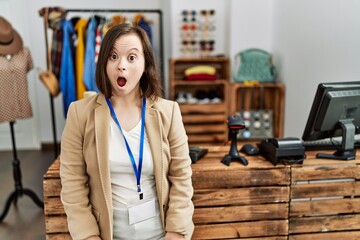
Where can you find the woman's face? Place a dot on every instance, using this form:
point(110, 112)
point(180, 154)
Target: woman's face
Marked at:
point(126, 65)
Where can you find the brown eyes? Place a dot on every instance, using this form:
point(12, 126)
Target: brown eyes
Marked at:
point(113, 56)
point(132, 58)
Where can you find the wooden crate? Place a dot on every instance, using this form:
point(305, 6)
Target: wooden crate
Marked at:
point(248, 97)
point(239, 201)
point(204, 123)
point(325, 200)
point(55, 218)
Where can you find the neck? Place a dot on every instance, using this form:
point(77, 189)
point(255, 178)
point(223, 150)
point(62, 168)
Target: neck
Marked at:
point(128, 101)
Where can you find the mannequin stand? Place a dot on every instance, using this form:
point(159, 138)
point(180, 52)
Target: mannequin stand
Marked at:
point(19, 190)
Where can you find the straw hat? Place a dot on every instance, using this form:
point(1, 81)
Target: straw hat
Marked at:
point(10, 40)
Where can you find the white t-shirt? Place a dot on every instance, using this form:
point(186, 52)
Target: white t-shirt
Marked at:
point(124, 187)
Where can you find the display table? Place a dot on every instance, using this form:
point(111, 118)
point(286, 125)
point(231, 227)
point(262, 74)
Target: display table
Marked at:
point(317, 200)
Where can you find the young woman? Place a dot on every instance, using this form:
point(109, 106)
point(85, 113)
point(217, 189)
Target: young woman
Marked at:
point(125, 166)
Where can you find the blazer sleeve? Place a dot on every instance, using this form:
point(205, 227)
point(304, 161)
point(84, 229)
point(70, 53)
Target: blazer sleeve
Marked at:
point(74, 179)
point(181, 208)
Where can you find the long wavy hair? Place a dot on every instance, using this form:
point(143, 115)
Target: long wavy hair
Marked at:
point(150, 83)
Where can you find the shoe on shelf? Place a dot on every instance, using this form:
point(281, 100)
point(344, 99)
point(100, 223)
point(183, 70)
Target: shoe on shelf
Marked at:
point(202, 97)
point(214, 96)
point(181, 97)
point(190, 98)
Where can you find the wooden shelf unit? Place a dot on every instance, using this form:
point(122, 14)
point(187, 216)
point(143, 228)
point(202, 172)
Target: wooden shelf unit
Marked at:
point(204, 123)
point(246, 97)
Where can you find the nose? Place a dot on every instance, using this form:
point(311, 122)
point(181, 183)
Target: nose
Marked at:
point(121, 65)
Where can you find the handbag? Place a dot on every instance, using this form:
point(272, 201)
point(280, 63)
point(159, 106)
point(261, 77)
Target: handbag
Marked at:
point(50, 81)
point(255, 65)
point(47, 77)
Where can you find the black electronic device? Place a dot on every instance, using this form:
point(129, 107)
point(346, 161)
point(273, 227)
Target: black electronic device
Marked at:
point(282, 150)
point(196, 153)
point(249, 149)
point(234, 123)
point(335, 112)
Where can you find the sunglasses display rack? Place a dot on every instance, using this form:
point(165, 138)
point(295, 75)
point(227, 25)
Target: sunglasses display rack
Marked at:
point(197, 33)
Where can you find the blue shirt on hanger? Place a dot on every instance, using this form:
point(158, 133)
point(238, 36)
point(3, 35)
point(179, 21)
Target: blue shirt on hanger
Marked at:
point(89, 64)
point(67, 75)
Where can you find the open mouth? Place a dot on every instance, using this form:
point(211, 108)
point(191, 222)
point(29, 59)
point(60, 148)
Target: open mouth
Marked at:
point(121, 81)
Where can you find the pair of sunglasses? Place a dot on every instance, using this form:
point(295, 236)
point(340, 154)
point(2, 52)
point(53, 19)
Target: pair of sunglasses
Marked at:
point(207, 26)
point(207, 12)
point(188, 12)
point(187, 26)
point(188, 42)
point(188, 49)
point(207, 45)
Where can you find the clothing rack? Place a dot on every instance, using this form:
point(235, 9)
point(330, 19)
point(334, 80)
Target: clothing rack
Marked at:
point(157, 11)
point(19, 190)
point(161, 53)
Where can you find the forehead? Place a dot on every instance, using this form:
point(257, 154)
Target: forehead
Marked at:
point(128, 42)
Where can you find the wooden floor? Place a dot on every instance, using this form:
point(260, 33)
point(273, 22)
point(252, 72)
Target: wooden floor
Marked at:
point(26, 220)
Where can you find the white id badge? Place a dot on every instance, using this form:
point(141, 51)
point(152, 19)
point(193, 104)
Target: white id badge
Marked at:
point(142, 211)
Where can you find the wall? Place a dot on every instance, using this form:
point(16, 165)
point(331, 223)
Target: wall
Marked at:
point(314, 41)
point(251, 24)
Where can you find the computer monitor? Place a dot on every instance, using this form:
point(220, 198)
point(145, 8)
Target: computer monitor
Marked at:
point(335, 112)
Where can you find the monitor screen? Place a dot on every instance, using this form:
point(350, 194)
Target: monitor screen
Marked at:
point(335, 112)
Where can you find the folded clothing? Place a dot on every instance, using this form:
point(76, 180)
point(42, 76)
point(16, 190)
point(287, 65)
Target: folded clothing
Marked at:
point(200, 76)
point(200, 69)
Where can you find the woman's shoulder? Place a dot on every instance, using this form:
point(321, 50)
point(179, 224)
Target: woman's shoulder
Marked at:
point(162, 103)
point(89, 102)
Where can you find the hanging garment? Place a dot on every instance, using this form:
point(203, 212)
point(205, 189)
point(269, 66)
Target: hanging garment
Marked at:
point(89, 65)
point(14, 94)
point(144, 25)
point(56, 45)
point(80, 27)
point(98, 40)
point(67, 74)
point(55, 16)
point(139, 19)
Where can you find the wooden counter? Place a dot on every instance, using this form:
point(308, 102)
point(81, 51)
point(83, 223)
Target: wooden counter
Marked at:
point(317, 200)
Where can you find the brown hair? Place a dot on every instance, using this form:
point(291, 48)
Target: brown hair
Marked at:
point(150, 84)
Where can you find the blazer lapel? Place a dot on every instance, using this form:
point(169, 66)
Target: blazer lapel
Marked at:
point(102, 125)
point(153, 131)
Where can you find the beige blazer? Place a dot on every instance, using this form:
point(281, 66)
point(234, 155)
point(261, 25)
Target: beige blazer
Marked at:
point(85, 175)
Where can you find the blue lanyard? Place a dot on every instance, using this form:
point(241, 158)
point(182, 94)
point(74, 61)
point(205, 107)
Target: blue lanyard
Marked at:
point(137, 171)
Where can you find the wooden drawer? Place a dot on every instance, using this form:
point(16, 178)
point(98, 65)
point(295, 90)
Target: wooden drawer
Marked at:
point(55, 217)
point(240, 201)
point(325, 200)
point(205, 123)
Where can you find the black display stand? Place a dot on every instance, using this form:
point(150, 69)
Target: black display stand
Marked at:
point(233, 152)
point(19, 190)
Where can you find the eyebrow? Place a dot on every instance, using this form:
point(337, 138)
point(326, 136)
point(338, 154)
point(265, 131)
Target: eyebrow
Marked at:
point(131, 49)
